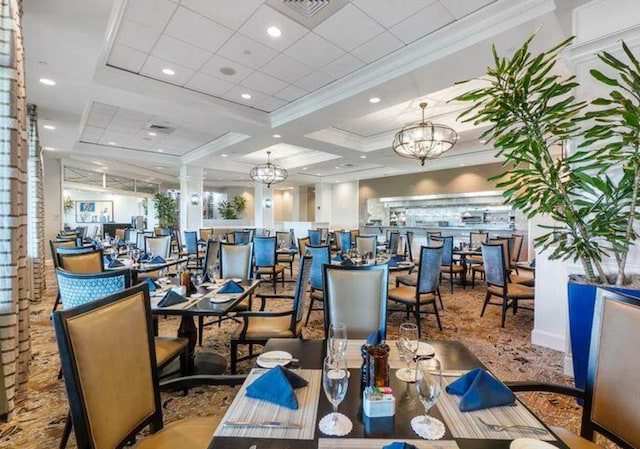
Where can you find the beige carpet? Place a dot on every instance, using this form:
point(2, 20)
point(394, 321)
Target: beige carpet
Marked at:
point(507, 352)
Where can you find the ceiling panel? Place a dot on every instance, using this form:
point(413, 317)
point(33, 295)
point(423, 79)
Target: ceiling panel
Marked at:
point(314, 51)
point(264, 83)
point(153, 68)
point(423, 23)
point(342, 66)
point(265, 17)
point(288, 156)
point(180, 52)
point(135, 35)
point(461, 8)
point(209, 85)
point(291, 93)
point(220, 10)
point(217, 65)
point(152, 13)
point(286, 68)
point(127, 58)
point(349, 28)
point(247, 51)
point(190, 27)
point(376, 48)
point(314, 80)
point(391, 12)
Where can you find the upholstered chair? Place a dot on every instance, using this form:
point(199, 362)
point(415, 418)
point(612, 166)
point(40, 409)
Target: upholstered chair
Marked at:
point(285, 258)
point(514, 278)
point(158, 246)
point(302, 246)
point(344, 241)
point(120, 233)
point(53, 246)
point(518, 240)
point(315, 236)
point(367, 244)
point(264, 249)
point(235, 261)
point(320, 255)
point(140, 239)
point(241, 237)
point(355, 233)
point(205, 233)
point(83, 262)
point(409, 244)
point(394, 240)
point(448, 266)
point(191, 250)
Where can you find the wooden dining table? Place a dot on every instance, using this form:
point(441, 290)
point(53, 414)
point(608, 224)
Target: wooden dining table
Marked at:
point(463, 430)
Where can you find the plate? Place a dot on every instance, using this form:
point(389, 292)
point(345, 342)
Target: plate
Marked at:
point(530, 443)
point(220, 300)
point(274, 358)
point(196, 295)
point(424, 349)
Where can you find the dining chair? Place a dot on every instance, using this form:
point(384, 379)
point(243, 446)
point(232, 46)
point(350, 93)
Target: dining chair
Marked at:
point(81, 231)
point(357, 297)
point(82, 262)
point(433, 234)
point(205, 233)
point(513, 278)
point(448, 266)
point(191, 250)
point(344, 241)
point(315, 236)
point(302, 246)
point(320, 255)
point(355, 233)
point(258, 327)
point(324, 235)
point(119, 234)
point(241, 237)
point(285, 239)
point(158, 246)
point(264, 249)
point(518, 240)
point(140, 239)
point(367, 244)
point(610, 397)
point(426, 290)
point(394, 240)
point(112, 402)
point(478, 237)
point(409, 244)
point(235, 261)
point(53, 246)
point(497, 277)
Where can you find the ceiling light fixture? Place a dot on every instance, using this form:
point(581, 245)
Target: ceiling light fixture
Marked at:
point(224, 155)
point(374, 100)
point(304, 168)
point(423, 140)
point(246, 96)
point(169, 72)
point(276, 136)
point(47, 81)
point(112, 143)
point(274, 31)
point(159, 150)
point(268, 173)
point(364, 156)
point(50, 127)
point(151, 133)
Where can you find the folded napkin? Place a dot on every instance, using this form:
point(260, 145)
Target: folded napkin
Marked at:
point(276, 386)
point(338, 258)
point(107, 259)
point(479, 390)
point(171, 299)
point(374, 338)
point(230, 287)
point(532, 263)
point(143, 257)
point(398, 258)
point(347, 262)
point(152, 285)
point(392, 262)
point(115, 263)
point(399, 445)
point(157, 259)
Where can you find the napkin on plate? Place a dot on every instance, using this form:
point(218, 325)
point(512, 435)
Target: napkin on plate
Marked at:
point(143, 257)
point(152, 285)
point(230, 287)
point(479, 390)
point(392, 262)
point(171, 299)
point(398, 258)
point(115, 263)
point(399, 445)
point(276, 386)
point(157, 259)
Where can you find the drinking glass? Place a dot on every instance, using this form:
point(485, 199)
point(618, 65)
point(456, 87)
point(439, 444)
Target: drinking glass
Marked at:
point(335, 381)
point(213, 272)
point(337, 341)
point(409, 347)
point(428, 385)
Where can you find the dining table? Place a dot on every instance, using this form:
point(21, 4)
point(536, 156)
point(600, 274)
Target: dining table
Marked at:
point(463, 430)
point(463, 254)
point(145, 267)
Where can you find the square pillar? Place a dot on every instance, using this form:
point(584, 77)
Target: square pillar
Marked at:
point(190, 190)
point(264, 206)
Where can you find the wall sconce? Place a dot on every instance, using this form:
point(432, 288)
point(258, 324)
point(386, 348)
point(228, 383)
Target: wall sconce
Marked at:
point(195, 199)
point(268, 202)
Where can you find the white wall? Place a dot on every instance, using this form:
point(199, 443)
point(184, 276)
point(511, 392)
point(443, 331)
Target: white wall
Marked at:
point(344, 205)
point(52, 200)
point(283, 205)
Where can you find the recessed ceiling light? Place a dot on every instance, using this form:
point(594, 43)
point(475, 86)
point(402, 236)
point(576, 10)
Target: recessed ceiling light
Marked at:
point(169, 72)
point(364, 156)
point(224, 155)
point(374, 100)
point(112, 143)
point(304, 168)
point(159, 168)
point(48, 148)
point(151, 133)
point(47, 81)
point(318, 174)
point(51, 127)
point(274, 31)
point(277, 136)
point(160, 150)
point(337, 168)
point(246, 96)
point(229, 71)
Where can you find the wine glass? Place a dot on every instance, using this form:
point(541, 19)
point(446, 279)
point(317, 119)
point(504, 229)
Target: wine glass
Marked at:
point(335, 381)
point(409, 346)
point(428, 386)
point(337, 342)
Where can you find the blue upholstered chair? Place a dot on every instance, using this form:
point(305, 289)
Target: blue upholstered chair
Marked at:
point(448, 266)
point(394, 240)
point(241, 237)
point(344, 241)
point(264, 249)
point(286, 240)
point(191, 250)
point(426, 289)
point(320, 255)
point(315, 237)
point(409, 242)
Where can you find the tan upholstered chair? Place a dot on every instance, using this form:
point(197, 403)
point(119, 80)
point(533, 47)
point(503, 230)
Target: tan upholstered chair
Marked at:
point(611, 397)
point(111, 402)
point(285, 258)
point(120, 234)
point(302, 245)
point(367, 244)
point(205, 233)
point(258, 327)
point(507, 250)
point(357, 297)
point(86, 262)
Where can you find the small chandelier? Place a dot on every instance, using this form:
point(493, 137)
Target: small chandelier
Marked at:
point(424, 140)
point(268, 173)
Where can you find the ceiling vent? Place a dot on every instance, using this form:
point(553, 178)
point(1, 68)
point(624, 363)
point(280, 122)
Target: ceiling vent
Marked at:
point(159, 128)
point(308, 13)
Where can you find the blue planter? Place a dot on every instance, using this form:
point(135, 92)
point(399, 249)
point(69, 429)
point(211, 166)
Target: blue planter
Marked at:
point(582, 298)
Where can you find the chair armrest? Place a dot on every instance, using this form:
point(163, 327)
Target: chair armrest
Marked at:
point(184, 383)
point(545, 386)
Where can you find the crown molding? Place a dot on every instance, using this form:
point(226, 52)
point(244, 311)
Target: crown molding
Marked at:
point(222, 142)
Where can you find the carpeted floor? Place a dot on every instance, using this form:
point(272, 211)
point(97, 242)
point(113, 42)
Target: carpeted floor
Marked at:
point(507, 352)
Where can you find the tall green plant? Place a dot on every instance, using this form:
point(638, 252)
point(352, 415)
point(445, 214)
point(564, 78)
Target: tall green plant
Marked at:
point(234, 208)
point(166, 208)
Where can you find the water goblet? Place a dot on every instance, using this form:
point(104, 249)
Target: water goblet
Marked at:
point(409, 346)
point(337, 341)
point(429, 387)
point(335, 381)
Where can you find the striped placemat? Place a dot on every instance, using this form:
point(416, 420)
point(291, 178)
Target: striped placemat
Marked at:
point(255, 410)
point(354, 356)
point(467, 425)
point(370, 443)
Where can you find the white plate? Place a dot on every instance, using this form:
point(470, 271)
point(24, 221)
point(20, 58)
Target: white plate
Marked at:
point(530, 443)
point(274, 358)
point(197, 295)
point(220, 300)
point(424, 349)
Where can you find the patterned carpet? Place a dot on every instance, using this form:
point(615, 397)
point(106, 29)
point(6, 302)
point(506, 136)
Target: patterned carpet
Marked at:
point(507, 352)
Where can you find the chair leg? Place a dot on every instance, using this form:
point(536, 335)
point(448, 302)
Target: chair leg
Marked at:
point(486, 301)
point(440, 297)
point(306, 323)
point(451, 278)
point(514, 304)
point(435, 309)
point(57, 303)
point(200, 329)
point(504, 309)
point(66, 432)
point(473, 278)
point(416, 312)
point(234, 356)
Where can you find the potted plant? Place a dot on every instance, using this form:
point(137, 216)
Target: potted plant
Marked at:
point(531, 112)
point(165, 210)
point(233, 209)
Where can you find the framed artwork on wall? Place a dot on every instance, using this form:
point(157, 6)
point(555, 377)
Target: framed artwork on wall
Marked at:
point(94, 211)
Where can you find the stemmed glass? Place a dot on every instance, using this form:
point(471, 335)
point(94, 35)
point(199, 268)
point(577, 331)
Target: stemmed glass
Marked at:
point(335, 381)
point(428, 387)
point(337, 341)
point(213, 272)
point(409, 341)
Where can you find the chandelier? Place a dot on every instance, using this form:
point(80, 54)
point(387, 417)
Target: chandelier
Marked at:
point(423, 140)
point(268, 173)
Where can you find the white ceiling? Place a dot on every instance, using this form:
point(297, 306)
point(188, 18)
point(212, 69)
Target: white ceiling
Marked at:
point(309, 86)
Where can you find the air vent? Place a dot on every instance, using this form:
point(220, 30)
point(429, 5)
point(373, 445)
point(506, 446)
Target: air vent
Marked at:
point(348, 165)
point(308, 13)
point(159, 128)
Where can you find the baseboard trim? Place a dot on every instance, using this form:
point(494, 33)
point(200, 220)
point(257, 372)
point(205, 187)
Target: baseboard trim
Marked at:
point(548, 340)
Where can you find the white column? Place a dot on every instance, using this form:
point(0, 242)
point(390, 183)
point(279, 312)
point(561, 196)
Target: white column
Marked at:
point(190, 187)
point(295, 204)
point(323, 203)
point(264, 216)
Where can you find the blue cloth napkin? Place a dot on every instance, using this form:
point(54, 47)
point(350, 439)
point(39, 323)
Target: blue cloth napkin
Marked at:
point(347, 262)
point(106, 259)
point(171, 299)
point(392, 262)
point(399, 445)
point(374, 338)
point(276, 386)
point(479, 390)
point(201, 242)
point(115, 263)
point(157, 259)
point(338, 257)
point(398, 258)
point(532, 263)
point(152, 285)
point(143, 257)
point(230, 287)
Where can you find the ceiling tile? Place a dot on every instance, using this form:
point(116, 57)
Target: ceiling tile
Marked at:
point(101, 108)
point(343, 66)
point(265, 17)
point(134, 35)
point(381, 45)
point(197, 30)
point(180, 52)
point(390, 12)
point(314, 51)
point(234, 94)
point(153, 68)
point(291, 93)
point(461, 8)
point(270, 104)
point(98, 121)
point(286, 68)
point(209, 85)
point(349, 28)
point(151, 13)
point(213, 66)
point(313, 81)
point(247, 51)
point(220, 10)
point(127, 58)
point(264, 83)
point(425, 22)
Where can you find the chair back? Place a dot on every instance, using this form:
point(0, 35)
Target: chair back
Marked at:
point(409, 243)
point(357, 297)
point(320, 255)
point(611, 405)
point(284, 239)
point(81, 231)
point(211, 257)
point(83, 262)
point(120, 233)
point(127, 235)
point(476, 238)
point(315, 236)
point(80, 288)
point(324, 234)
point(302, 245)
point(66, 250)
point(158, 246)
point(235, 260)
point(354, 234)
point(494, 266)
point(434, 234)
point(264, 251)
point(191, 242)
point(394, 239)
point(429, 269)
point(241, 237)
point(518, 240)
point(300, 295)
point(367, 244)
point(205, 233)
point(506, 253)
point(141, 239)
point(229, 237)
point(344, 241)
point(447, 245)
point(163, 232)
point(54, 244)
point(110, 402)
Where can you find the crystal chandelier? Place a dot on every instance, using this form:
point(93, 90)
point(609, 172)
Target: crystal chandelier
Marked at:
point(268, 173)
point(424, 140)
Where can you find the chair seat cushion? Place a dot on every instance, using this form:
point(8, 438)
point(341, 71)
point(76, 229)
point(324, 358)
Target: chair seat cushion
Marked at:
point(189, 433)
point(455, 268)
point(318, 295)
point(474, 259)
point(168, 347)
point(285, 258)
point(516, 291)
point(572, 440)
point(407, 295)
point(479, 268)
point(405, 279)
point(263, 328)
point(522, 280)
point(269, 270)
